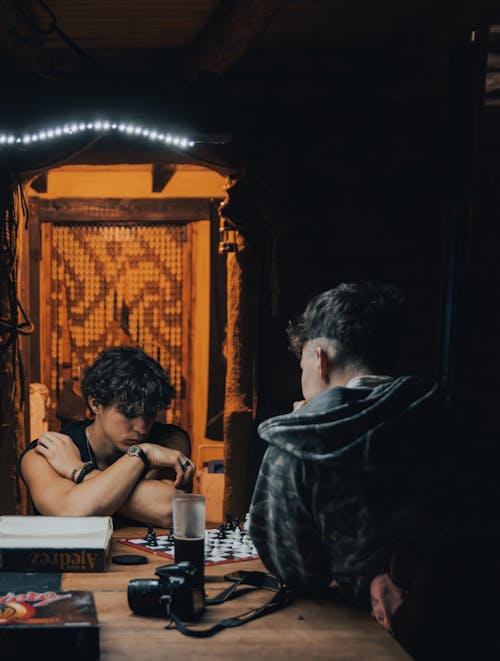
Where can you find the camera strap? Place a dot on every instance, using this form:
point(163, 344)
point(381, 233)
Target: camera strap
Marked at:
point(255, 579)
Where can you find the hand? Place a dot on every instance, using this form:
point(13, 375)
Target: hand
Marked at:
point(60, 451)
point(162, 457)
point(297, 405)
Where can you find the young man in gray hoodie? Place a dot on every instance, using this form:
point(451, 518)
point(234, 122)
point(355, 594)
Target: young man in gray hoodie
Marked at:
point(358, 470)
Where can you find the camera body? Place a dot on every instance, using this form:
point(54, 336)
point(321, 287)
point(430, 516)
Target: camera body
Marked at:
point(178, 589)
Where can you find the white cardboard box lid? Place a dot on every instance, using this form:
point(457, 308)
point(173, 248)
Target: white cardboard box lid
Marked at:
point(55, 531)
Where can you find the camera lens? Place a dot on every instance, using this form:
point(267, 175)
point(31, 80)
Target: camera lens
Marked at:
point(143, 595)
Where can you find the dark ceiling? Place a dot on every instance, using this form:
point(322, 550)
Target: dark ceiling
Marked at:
point(59, 37)
point(205, 64)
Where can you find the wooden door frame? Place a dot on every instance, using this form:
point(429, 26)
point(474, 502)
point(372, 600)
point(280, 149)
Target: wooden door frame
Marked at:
point(44, 213)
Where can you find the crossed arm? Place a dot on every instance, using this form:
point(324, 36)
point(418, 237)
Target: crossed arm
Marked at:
point(117, 488)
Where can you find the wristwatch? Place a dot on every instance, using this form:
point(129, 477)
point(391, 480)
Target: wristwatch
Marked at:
point(137, 451)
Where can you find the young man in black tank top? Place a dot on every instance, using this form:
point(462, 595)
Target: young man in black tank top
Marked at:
point(122, 461)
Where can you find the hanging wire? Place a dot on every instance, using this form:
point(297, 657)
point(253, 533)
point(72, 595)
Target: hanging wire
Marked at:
point(13, 319)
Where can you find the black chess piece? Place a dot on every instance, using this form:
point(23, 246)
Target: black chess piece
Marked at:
point(237, 523)
point(151, 537)
point(222, 532)
point(229, 522)
point(170, 539)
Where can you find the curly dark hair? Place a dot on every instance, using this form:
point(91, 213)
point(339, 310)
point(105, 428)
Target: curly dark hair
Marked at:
point(129, 379)
point(365, 322)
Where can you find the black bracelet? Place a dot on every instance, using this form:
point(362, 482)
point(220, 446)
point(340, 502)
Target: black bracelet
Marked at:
point(87, 467)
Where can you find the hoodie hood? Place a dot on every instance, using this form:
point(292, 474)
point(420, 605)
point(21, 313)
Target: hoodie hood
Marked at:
point(344, 425)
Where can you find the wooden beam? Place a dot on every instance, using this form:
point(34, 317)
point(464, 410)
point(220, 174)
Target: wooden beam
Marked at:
point(162, 173)
point(34, 287)
point(40, 183)
point(123, 210)
point(114, 149)
point(45, 332)
point(229, 34)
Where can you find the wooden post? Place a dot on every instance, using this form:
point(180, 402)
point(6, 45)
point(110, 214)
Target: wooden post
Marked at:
point(33, 260)
point(239, 424)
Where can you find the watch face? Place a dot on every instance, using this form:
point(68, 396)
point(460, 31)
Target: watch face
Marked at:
point(136, 451)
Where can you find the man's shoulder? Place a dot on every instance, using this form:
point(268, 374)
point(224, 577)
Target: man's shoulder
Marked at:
point(329, 400)
point(30, 446)
point(74, 429)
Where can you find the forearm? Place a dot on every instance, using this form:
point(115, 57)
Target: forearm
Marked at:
point(151, 502)
point(49, 471)
point(101, 493)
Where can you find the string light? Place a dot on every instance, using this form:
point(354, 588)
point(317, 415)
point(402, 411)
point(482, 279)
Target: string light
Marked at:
point(100, 126)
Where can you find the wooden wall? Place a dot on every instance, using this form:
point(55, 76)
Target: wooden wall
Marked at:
point(377, 149)
point(364, 144)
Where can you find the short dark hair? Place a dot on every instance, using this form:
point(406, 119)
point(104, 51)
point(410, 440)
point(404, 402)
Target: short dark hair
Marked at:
point(129, 379)
point(365, 321)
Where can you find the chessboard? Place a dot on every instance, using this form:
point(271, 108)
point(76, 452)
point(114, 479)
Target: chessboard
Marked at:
point(225, 544)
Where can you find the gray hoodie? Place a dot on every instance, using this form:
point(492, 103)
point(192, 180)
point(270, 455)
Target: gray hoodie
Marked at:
point(347, 476)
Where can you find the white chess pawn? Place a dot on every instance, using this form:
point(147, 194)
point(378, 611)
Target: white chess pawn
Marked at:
point(245, 549)
point(246, 524)
point(237, 545)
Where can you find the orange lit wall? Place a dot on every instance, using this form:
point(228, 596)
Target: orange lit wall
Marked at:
point(130, 181)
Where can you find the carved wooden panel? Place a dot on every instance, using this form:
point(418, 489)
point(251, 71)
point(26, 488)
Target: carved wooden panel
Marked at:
point(117, 285)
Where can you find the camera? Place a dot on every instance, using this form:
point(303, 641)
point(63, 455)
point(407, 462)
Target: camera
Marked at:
point(178, 589)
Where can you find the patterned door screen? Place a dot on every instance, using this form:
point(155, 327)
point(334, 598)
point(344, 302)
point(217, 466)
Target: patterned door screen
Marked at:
point(117, 285)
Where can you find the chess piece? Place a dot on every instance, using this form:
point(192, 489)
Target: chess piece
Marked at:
point(222, 532)
point(245, 550)
point(151, 537)
point(246, 524)
point(236, 545)
point(229, 522)
point(207, 546)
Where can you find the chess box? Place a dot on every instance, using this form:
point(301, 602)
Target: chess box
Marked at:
point(54, 544)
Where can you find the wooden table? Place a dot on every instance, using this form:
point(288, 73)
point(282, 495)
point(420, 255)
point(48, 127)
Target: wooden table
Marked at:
point(310, 629)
